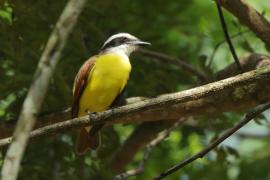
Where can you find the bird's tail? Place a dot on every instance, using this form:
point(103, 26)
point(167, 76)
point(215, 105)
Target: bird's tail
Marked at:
point(86, 141)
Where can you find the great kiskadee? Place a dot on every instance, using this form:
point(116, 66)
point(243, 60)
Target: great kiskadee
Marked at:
point(100, 83)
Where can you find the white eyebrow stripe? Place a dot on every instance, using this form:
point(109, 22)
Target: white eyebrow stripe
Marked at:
point(127, 35)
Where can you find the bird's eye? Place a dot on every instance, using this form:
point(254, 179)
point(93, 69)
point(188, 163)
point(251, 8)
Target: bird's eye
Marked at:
point(125, 38)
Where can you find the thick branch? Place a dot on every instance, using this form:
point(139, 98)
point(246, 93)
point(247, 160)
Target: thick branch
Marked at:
point(39, 86)
point(250, 17)
point(233, 94)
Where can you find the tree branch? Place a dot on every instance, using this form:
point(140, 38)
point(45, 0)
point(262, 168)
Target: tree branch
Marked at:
point(250, 17)
point(39, 86)
point(247, 118)
point(233, 94)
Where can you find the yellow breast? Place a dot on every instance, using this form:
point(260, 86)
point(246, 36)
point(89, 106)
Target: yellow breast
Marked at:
point(106, 81)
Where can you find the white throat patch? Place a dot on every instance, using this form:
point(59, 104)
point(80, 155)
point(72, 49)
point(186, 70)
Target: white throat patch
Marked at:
point(126, 49)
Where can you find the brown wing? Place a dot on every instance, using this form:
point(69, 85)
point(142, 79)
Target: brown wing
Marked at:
point(80, 84)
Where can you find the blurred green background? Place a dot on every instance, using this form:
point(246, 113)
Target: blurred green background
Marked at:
point(188, 29)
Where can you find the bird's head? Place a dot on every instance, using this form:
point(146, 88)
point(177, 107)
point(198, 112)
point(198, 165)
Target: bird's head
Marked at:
point(124, 43)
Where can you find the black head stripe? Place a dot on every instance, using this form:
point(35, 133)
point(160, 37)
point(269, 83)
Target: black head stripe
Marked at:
point(108, 45)
point(116, 42)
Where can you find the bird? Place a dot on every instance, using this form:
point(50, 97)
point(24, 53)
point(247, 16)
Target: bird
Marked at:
point(100, 84)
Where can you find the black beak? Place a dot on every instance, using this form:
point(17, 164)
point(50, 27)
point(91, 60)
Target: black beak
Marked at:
point(141, 43)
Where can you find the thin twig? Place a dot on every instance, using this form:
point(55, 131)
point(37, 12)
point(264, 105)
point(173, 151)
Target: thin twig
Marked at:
point(39, 86)
point(149, 147)
point(175, 61)
point(247, 118)
point(218, 45)
point(227, 36)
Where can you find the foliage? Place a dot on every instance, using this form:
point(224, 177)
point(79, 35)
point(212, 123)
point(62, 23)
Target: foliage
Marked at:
point(189, 29)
